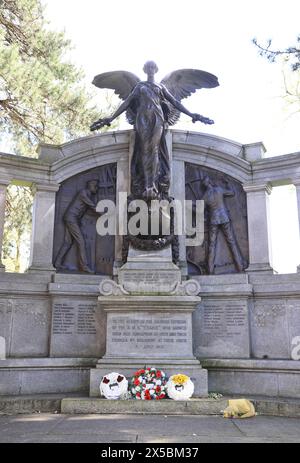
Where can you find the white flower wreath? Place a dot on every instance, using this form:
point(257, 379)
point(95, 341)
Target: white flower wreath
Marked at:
point(113, 386)
point(180, 387)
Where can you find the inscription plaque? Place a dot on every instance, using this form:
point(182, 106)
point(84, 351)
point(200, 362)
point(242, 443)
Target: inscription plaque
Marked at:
point(149, 334)
point(77, 328)
point(274, 324)
point(223, 329)
point(25, 327)
point(149, 281)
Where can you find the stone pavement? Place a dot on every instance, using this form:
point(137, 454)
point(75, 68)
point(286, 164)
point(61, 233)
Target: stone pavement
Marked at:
point(57, 428)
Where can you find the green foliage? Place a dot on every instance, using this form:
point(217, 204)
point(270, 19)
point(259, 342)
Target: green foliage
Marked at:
point(215, 395)
point(17, 229)
point(41, 97)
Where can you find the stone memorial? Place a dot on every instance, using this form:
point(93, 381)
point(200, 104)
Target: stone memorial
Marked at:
point(149, 310)
point(91, 303)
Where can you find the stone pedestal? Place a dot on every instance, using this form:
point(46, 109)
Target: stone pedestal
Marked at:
point(149, 272)
point(149, 320)
point(152, 331)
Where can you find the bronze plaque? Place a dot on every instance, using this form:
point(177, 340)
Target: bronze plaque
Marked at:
point(99, 250)
point(236, 209)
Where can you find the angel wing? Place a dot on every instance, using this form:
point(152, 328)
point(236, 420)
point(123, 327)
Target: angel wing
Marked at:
point(122, 82)
point(182, 83)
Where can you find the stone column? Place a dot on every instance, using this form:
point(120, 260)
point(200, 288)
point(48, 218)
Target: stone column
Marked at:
point(122, 186)
point(3, 187)
point(297, 185)
point(43, 228)
point(178, 192)
point(259, 227)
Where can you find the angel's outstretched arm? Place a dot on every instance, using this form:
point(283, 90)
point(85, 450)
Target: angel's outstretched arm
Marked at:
point(195, 117)
point(175, 102)
point(123, 107)
point(107, 120)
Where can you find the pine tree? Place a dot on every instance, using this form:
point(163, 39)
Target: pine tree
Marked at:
point(42, 98)
point(290, 65)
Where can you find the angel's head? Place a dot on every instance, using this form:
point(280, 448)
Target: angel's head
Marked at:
point(150, 68)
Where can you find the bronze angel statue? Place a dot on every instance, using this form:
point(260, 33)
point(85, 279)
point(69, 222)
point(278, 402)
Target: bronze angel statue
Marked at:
point(151, 108)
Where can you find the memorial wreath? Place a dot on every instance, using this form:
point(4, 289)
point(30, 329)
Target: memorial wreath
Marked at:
point(148, 384)
point(180, 387)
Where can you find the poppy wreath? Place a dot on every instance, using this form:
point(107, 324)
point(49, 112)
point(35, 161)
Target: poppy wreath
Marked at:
point(148, 384)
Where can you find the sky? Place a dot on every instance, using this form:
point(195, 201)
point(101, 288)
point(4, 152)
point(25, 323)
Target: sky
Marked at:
point(215, 36)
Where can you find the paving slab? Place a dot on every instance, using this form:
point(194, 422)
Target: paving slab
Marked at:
point(55, 428)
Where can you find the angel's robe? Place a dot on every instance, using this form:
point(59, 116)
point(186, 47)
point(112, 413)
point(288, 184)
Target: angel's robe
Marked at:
point(150, 164)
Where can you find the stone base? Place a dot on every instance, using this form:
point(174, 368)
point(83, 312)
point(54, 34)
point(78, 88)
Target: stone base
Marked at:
point(262, 268)
point(128, 366)
point(140, 325)
point(149, 272)
point(45, 375)
point(38, 269)
point(264, 406)
point(274, 378)
point(80, 404)
point(84, 405)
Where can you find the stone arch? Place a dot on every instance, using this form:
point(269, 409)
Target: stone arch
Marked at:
point(213, 152)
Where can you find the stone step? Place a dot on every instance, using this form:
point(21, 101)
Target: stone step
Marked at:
point(38, 403)
point(75, 404)
point(206, 406)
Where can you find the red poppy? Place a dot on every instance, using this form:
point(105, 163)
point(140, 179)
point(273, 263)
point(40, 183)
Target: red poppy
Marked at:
point(138, 394)
point(136, 382)
point(158, 374)
point(161, 396)
point(158, 389)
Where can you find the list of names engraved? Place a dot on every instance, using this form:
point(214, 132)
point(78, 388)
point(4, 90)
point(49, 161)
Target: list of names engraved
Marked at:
point(223, 321)
point(74, 319)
